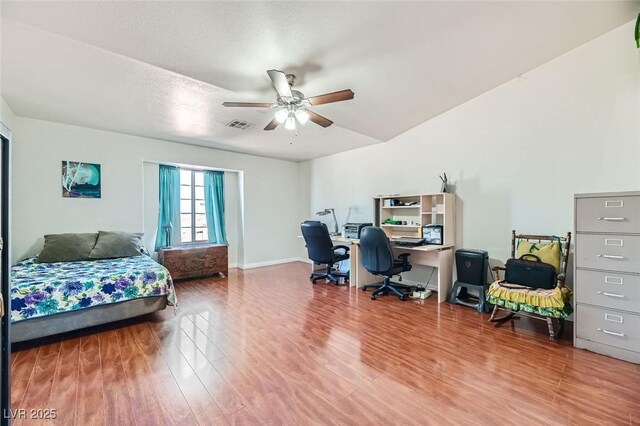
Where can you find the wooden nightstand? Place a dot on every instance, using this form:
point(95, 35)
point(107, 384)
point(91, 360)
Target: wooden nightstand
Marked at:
point(195, 261)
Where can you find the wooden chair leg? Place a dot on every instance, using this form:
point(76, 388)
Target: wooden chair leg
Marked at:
point(493, 313)
point(507, 316)
point(560, 329)
point(552, 333)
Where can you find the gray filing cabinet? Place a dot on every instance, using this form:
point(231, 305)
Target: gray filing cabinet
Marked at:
point(607, 274)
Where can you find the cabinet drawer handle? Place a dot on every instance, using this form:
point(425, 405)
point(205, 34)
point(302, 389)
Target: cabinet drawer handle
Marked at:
point(610, 256)
point(613, 333)
point(604, 293)
point(613, 280)
point(614, 203)
point(612, 219)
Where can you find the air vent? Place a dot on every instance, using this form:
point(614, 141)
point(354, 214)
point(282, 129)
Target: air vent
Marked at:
point(240, 124)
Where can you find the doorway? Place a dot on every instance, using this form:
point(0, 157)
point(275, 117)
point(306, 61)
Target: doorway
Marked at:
point(5, 268)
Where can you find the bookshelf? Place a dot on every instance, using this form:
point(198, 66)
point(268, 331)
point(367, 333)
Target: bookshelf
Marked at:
point(414, 211)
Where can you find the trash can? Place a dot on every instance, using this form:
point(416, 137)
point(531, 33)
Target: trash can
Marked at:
point(473, 267)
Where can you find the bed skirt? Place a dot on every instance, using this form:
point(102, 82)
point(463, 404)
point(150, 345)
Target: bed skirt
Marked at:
point(49, 325)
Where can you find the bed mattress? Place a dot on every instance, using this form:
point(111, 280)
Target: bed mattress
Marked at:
point(41, 289)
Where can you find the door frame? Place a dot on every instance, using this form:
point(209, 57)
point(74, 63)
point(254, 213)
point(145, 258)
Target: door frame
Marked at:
point(5, 275)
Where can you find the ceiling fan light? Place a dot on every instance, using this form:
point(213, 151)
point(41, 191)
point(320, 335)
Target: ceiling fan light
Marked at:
point(282, 115)
point(290, 123)
point(302, 116)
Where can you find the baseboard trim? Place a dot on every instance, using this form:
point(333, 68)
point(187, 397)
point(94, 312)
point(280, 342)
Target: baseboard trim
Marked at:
point(268, 263)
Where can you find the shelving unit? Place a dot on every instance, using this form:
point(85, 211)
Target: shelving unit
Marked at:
point(401, 207)
point(426, 209)
point(384, 225)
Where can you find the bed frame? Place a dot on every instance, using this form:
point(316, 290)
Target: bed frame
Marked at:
point(49, 325)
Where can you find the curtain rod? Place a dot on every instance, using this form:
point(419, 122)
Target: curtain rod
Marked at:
point(192, 166)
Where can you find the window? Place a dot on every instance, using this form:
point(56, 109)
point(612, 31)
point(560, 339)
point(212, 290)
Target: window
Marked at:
point(193, 220)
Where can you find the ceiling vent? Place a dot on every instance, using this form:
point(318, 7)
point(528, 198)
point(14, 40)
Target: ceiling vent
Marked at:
point(240, 124)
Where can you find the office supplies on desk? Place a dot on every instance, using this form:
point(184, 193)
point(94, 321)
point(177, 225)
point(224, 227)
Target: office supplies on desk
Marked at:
point(392, 222)
point(352, 230)
point(432, 234)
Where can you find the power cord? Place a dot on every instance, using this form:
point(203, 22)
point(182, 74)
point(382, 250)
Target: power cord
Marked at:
point(430, 276)
point(421, 292)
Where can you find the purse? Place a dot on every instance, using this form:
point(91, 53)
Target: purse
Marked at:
point(530, 273)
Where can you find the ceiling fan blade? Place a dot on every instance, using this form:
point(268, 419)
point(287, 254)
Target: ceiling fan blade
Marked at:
point(319, 120)
point(327, 98)
point(248, 104)
point(280, 83)
point(272, 125)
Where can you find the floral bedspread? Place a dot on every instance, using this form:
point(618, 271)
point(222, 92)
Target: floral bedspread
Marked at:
point(39, 289)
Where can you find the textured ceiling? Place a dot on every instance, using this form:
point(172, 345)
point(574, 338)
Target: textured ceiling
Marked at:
point(162, 69)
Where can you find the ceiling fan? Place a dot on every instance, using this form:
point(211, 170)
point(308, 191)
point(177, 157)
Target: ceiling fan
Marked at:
point(292, 105)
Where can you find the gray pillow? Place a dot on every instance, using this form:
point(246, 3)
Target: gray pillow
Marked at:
point(112, 244)
point(67, 247)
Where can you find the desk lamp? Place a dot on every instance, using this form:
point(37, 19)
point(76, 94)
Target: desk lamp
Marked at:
point(335, 221)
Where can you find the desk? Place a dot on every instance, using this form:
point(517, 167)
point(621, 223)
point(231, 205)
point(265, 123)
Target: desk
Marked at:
point(358, 275)
point(440, 257)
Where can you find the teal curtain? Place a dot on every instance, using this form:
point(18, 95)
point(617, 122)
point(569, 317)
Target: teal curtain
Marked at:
point(214, 206)
point(169, 208)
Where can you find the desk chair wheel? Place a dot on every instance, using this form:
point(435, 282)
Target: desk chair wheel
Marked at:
point(403, 297)
point(313, 280)
point(373, 297)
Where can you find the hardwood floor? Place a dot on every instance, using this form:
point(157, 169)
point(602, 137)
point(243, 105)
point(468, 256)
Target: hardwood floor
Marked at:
point(265, 346)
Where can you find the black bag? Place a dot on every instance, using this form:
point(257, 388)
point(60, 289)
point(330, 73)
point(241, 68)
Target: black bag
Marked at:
point(530, 273)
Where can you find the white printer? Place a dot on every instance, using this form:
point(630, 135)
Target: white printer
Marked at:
point(352, 230)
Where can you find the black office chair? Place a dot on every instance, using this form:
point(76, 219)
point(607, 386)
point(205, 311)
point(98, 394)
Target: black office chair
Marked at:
point(377, 258)
point(322, 251)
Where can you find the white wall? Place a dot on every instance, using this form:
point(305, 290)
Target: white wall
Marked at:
point(516, 154)
point(304, 183)
point(7, 117)
point(270, 189)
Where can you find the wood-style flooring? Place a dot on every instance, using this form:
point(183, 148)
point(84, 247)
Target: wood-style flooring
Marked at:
point(265, 346)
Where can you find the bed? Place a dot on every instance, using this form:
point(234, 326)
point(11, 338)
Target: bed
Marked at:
point(52, 298)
